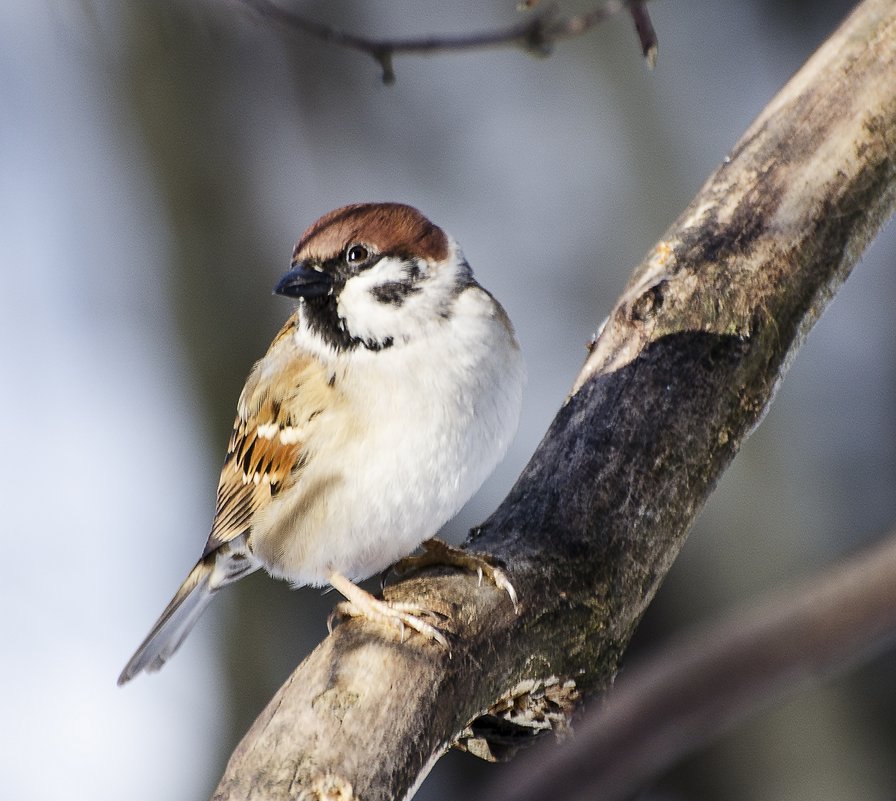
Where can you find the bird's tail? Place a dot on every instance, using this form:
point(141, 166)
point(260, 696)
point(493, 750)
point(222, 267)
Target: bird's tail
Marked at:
point(213, 571)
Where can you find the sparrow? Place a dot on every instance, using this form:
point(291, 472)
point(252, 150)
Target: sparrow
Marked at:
point(380, 407)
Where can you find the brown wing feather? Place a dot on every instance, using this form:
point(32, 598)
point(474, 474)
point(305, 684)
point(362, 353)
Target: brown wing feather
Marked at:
point(265, 452)
point(255, 469)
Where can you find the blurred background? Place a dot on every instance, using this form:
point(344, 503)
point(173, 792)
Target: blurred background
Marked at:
point(157, 162)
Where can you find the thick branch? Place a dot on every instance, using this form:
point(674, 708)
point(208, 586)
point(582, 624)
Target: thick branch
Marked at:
point(536, 34)
point(691, 691)
point(683, 369)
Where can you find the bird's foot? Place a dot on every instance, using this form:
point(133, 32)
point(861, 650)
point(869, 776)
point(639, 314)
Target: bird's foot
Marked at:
point(396, 614)
point(438, 553)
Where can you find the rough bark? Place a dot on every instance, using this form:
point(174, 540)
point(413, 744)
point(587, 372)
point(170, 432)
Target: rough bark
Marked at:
point(681, 372)
point(701, 684)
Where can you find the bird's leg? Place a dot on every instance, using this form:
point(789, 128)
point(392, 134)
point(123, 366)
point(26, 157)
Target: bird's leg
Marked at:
point(362, 604)
point(438, 553)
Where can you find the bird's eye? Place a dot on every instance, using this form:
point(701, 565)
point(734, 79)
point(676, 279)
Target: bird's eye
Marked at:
point(356, 254)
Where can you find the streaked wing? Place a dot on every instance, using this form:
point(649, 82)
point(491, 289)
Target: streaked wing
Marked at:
point(255, 470)
point(265, 455)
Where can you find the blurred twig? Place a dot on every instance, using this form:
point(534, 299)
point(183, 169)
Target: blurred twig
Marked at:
point(646, 33)
point(536, 35)
point(690, 692)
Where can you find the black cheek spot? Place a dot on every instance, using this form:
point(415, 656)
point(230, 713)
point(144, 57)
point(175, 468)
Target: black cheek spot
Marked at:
point(393, 293)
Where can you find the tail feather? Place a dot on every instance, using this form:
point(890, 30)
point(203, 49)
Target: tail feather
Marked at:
point(210, 574)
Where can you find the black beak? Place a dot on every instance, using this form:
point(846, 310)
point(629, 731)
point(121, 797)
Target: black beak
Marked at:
point(303, 281)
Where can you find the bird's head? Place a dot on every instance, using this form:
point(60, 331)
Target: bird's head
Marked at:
point(374, 276)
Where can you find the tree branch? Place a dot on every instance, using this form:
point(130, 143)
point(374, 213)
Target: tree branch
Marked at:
point(681, 372)
point(535, 35)
point(694, 689)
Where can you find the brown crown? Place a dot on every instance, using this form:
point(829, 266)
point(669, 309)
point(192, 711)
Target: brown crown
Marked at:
point(390, 228)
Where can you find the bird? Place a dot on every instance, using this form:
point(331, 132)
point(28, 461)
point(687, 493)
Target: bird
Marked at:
point(383, 403)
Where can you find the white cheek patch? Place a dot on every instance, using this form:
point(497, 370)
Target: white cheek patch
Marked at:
point(391, 304)
point(363, 302)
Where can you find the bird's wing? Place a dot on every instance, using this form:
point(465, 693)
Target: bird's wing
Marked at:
point(283, 394)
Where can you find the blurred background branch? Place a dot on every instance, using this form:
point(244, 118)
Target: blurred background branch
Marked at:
point(536, 35)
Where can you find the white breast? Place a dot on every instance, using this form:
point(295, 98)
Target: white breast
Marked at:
point(424, 423)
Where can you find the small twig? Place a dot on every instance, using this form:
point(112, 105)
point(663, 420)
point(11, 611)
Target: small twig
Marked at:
point(536, 35)
point(688, 693)
point(646, 33)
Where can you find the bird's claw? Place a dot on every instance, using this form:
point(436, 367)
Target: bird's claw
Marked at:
point(399, 615)
point(438, 553)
